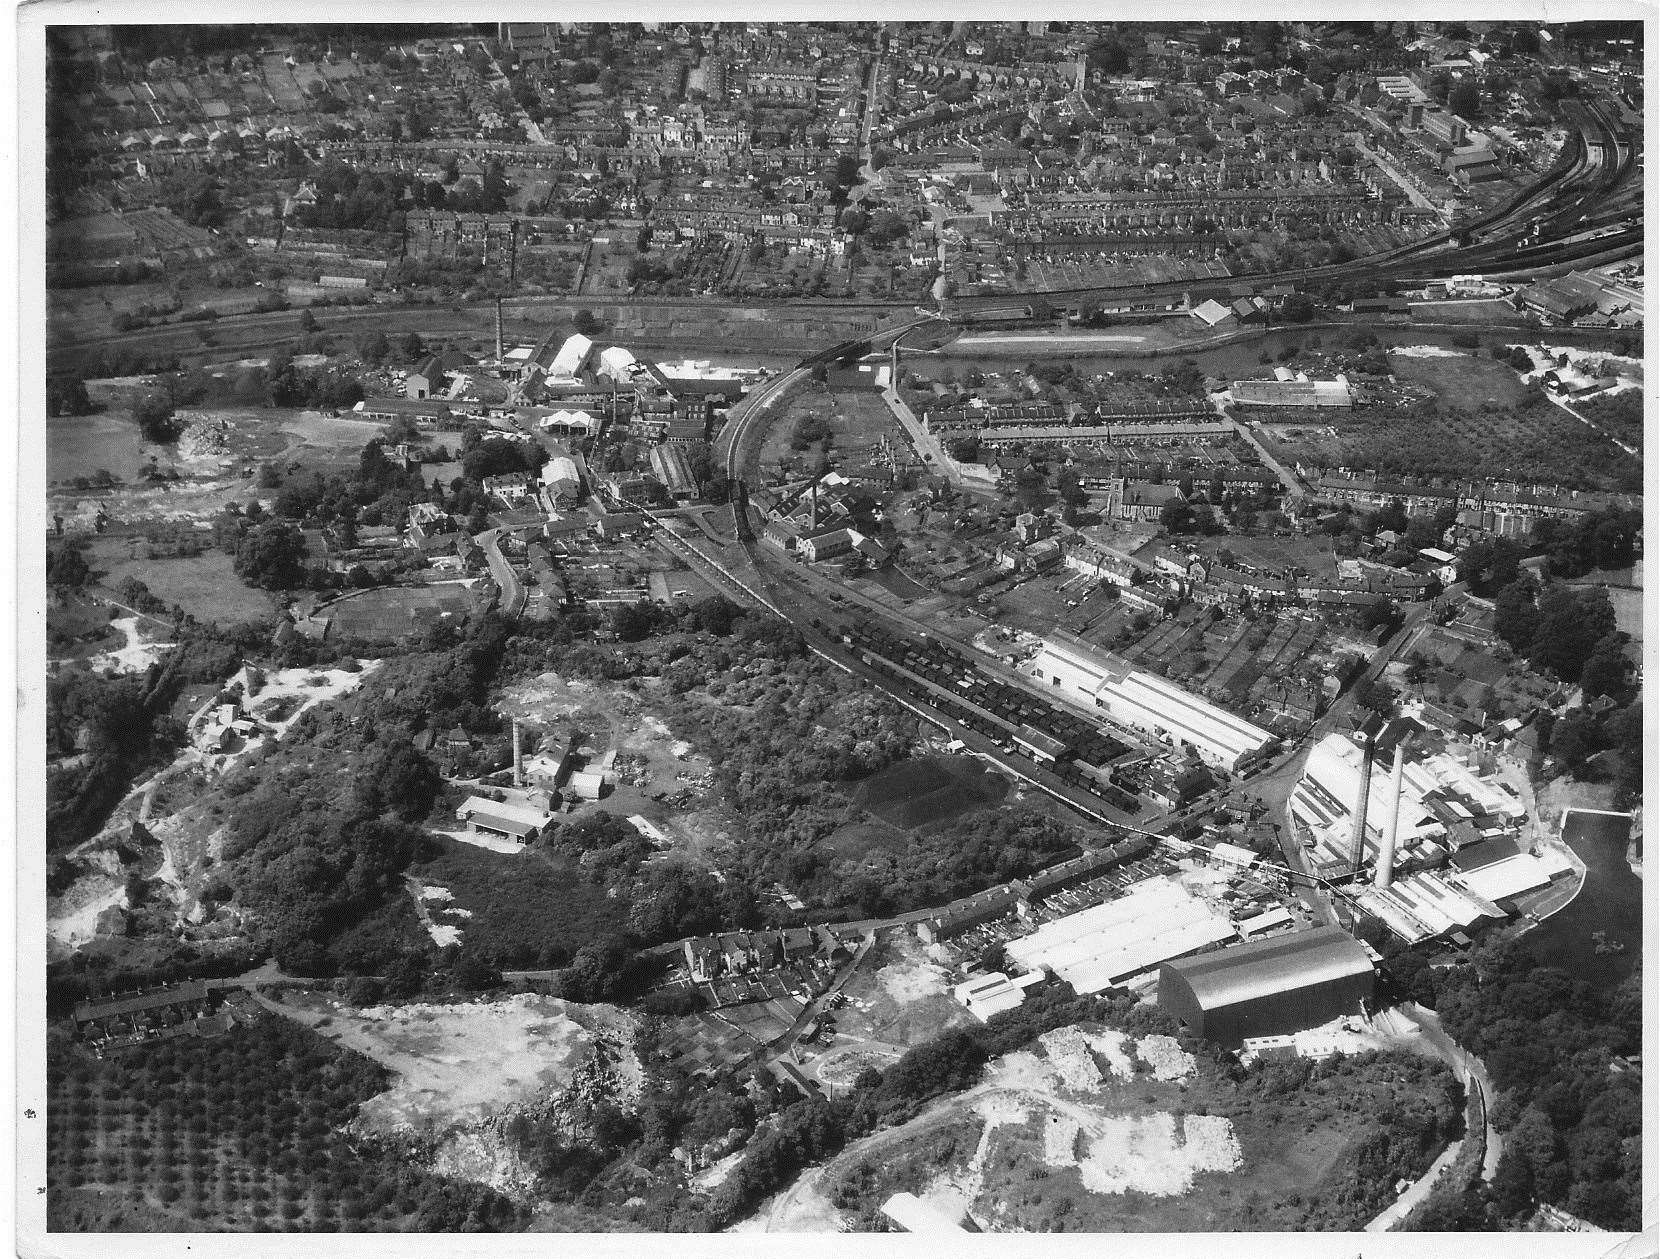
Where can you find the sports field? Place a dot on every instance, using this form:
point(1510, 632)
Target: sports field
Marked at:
point(382, 615)
point(926, 792)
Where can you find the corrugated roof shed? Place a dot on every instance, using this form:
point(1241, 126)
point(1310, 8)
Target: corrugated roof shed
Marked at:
point(1261, 967)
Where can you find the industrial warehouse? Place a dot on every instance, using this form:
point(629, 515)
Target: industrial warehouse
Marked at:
point(1268, 987)
point(1103, 947)
point(1087, 676)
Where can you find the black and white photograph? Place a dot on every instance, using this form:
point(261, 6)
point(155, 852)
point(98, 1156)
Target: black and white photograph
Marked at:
point(833, 625)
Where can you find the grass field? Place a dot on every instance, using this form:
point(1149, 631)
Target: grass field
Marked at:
point(857, 419)
point(205, 585)
point(1465, 382)
point(389, 614)
point(526, 910)
point(925, 792)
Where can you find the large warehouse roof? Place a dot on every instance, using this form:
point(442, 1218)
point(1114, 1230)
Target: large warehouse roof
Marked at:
point(1501, 880)
point(1292, 393)
point(1099, 947)
point(1260, 968)
point(1086, 675)
point(572, 355)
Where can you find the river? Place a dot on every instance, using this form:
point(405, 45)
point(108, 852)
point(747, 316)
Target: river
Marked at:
point(1611, 902)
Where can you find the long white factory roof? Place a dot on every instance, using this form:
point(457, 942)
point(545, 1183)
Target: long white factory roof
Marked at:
point(572, 355)
point(1154, 921)
point(1424, 905)
point(1515, 875)
point(1087, 676)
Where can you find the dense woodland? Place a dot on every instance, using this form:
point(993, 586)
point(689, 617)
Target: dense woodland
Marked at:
point(1563, 1057)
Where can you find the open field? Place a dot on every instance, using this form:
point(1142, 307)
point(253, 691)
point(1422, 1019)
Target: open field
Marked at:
point(396, 611)
point(206, 585)
point(456, 1065)
point(926, 792)
point(897, 998)
point(1465, 382)
point(855, 418)
point(524, 909)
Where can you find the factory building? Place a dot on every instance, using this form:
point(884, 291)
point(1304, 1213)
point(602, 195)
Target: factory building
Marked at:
point(1442, 806)
point(1109, 944)
point(670, 466)
point(986, 995)
point(1293, 393)
point(1268, 987)
point(1086, 676)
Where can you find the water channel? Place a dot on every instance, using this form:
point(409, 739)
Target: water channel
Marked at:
point(1611, 902)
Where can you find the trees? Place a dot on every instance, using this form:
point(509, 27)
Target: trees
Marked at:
point(1575, 738)
point(272, 556)
point(1465, 99)
point(1177, 516)
point(1515, 616)
point(1490, 564)
point(66, 566)
point(401, 780)
point(887, 227)
point(66, 395)
point(1607, 668)
point(1571, 624)
point(154, 414)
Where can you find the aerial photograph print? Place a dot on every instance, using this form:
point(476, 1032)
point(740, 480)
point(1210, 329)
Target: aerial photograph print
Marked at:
point(834, 627)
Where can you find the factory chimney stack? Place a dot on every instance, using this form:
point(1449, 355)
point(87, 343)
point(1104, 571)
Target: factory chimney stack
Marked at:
point(500, 353)
point(518, 757)
point(1384, 873)
point(1357, 844)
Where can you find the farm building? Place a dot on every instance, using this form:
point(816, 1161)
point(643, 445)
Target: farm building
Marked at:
point(1268, 987)
point(1089, 677)
point(1109, 944)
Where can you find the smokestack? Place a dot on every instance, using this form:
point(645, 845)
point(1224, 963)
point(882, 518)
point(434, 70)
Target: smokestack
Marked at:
point(518, 756)
point(501, 356)
point(1357, 844)
point(814, 528)
point(1384, 873)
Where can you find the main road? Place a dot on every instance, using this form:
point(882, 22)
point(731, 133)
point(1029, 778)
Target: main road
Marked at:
point(513, 595)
